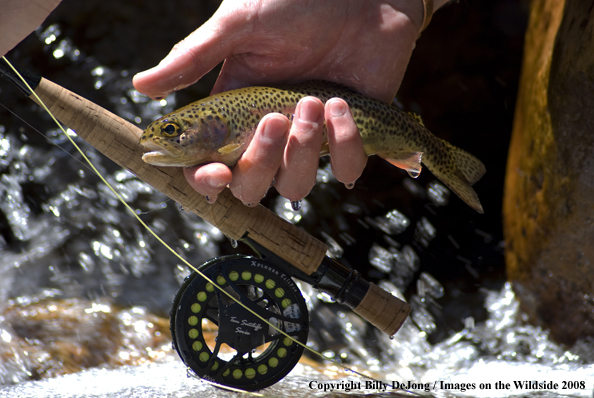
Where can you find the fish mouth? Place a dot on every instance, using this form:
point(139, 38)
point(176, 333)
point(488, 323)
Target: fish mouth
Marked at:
point(156, 158)
point(156, 155)
point(166, 157)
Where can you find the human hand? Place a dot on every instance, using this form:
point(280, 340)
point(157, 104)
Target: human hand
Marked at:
point(288, 155)
point(365, 44)
point(19, 18)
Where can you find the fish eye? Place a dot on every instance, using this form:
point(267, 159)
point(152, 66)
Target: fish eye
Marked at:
point(170, 129)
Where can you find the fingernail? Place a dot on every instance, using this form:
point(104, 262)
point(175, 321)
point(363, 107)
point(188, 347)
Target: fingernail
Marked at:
point(272, 126)
point(308, 112)
point(215, 182)
point(350, 185)
point(145, 72)
point(337, 108)
point(212, 199)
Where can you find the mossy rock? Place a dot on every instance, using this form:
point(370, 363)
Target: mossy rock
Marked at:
point(549, 190)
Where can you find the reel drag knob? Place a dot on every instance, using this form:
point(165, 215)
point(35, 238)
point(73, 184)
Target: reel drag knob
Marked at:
point(225, 342)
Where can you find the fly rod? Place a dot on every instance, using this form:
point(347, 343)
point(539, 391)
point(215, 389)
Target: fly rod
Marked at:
point(278, 242)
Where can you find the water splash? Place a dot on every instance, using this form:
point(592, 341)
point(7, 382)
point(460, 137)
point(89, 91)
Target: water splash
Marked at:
point(66, 230)
point(334, 249)
point(392, 222)
point(14, 207)
point(406, 265)
point(66, 233)
point(381, 258)
point(438, 194)
point(414, 188)
point(425, 232)
point(428, 286)
point(5, 152)
point(421, 316)
point(324, 174)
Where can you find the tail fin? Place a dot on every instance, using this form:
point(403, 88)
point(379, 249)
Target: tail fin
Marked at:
point(471, 168)
point(459, 174)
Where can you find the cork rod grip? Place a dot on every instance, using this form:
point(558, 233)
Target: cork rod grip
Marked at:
point(383, 310)
point(119, 140)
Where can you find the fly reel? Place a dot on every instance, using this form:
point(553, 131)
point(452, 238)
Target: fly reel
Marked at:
point(227, 344)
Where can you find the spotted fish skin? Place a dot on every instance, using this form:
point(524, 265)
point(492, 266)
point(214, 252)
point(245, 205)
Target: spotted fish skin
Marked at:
point(219, 129)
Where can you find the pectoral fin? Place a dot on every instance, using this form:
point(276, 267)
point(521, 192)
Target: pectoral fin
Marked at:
point(228, 149)
point(409, 161)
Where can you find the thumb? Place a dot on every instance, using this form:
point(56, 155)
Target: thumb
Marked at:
point(190, 59)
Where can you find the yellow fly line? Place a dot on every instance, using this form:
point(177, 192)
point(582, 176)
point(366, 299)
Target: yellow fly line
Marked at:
point(335, 362)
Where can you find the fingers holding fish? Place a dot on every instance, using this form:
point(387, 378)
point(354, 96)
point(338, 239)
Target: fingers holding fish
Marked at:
point(257, 167)
point(347, 155)
point(208, 180)
point(297, 173)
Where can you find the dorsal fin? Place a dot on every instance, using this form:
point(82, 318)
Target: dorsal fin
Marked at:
point(417, 118)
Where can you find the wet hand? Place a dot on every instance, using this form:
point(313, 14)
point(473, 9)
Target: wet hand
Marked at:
point(288, 155)
point(364, 44)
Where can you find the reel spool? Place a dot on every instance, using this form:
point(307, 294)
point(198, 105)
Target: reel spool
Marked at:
point(226, 344)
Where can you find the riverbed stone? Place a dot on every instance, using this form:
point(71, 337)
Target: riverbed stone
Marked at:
point(549, 190)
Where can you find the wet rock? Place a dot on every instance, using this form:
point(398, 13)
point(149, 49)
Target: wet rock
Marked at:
point(549, 192)
point(50, 337)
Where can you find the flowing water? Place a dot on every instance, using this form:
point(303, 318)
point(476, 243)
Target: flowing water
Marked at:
point(85, 291)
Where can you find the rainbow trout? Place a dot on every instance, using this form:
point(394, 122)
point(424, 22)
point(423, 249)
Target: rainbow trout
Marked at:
point(219, 129)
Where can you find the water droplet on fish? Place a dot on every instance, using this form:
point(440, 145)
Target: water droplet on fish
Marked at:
point(413, 173)
point(296, 205)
